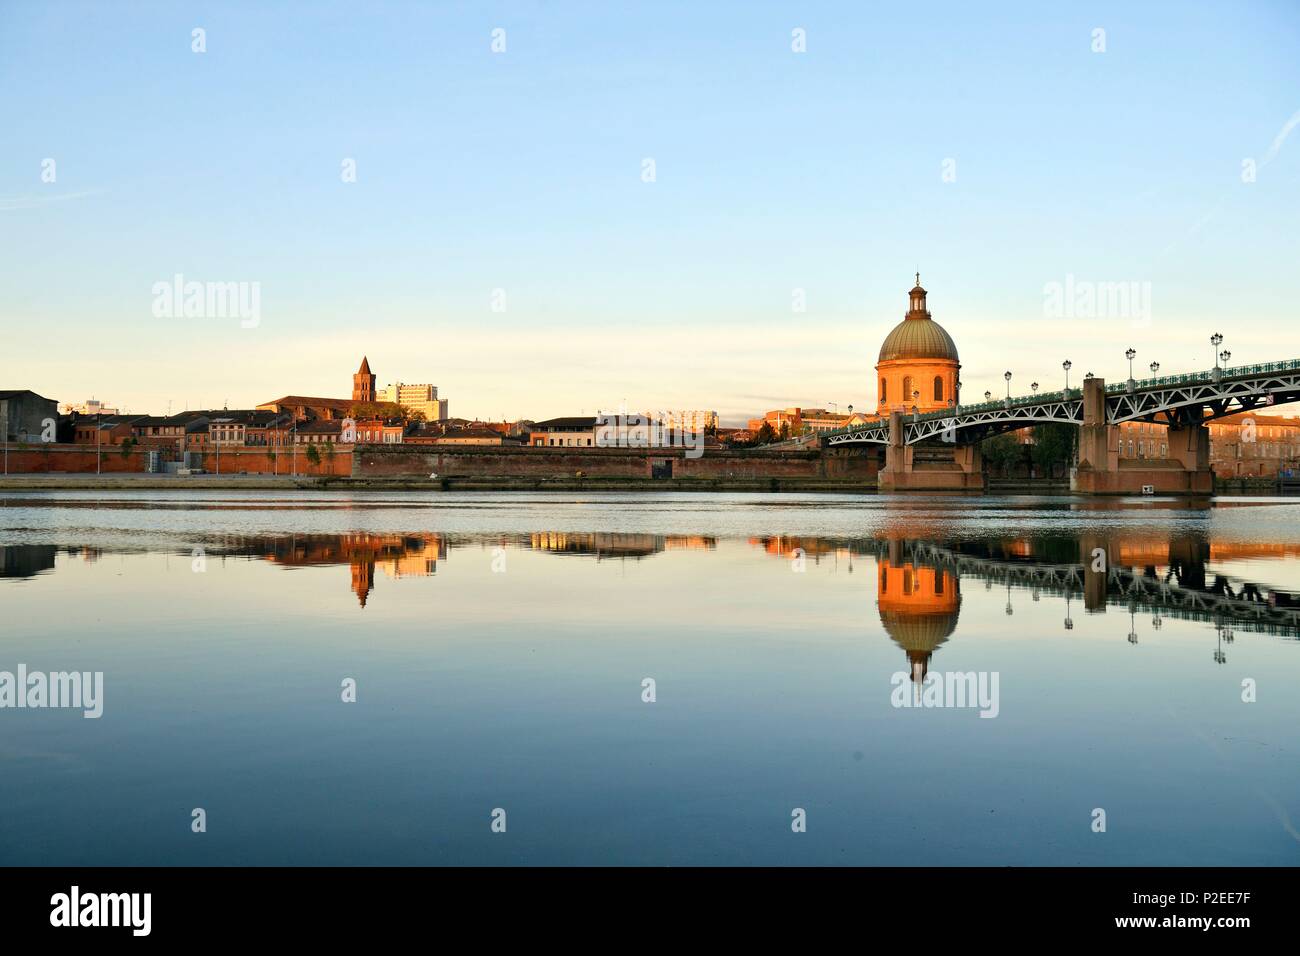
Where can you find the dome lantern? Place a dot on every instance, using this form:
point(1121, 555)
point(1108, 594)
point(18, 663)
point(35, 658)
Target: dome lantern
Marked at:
point(918, 309)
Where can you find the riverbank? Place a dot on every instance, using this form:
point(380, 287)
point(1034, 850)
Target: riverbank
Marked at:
point(146, 482)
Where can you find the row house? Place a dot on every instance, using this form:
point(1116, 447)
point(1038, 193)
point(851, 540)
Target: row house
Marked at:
point(380, 431)
point(168, 429)
point(104, 429)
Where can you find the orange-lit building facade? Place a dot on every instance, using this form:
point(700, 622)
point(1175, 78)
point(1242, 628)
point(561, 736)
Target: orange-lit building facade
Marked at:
point(918, 365)
point(1245, 445)
point(1254, 446)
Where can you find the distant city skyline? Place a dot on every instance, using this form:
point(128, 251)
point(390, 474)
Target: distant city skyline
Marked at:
point(500, 239)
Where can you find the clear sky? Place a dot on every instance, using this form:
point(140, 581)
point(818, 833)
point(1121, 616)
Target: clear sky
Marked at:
point(987, 145)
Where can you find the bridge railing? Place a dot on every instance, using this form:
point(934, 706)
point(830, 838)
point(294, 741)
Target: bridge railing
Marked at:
point(1198, 378)
point(1115, 388)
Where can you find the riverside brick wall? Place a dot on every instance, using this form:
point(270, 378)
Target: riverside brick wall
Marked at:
point(378, 461)
point(81, 459)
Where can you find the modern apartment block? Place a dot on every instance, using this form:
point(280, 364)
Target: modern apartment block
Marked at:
point(418, 398)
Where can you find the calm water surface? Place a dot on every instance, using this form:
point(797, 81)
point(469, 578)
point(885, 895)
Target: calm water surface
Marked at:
point(499, 644)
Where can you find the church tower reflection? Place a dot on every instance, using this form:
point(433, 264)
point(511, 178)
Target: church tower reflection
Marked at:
point(919, 606)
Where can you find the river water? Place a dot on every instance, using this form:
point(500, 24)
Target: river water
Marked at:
point(667, 679)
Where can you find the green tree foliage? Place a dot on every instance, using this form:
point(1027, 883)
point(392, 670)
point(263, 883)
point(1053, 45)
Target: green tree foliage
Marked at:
point(1003, 452)
point(1054, 444)
point(371, 410)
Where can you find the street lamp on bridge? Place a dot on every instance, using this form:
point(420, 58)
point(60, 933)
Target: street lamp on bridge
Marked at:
point(1007, 376)
point(1034, 386)
point(1227, 357)
point(1155, 367)
point(988, 396)
point(1067, 365)
point(1129, 355)
point(1216, 340)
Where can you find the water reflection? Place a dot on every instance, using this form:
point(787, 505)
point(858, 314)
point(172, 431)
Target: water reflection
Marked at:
point(775, 688)
point(26, 561)
point(918, 580)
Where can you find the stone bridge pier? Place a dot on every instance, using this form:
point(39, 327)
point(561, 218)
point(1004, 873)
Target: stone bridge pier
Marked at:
point(930, 466)
point(1101, 470)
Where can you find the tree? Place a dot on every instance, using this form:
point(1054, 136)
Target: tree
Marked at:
point(127, 445)
point(313, 454)
point(785, 430)
point(1054, 444)
point(766, 434)
point(1002, 451)
point(372, 410)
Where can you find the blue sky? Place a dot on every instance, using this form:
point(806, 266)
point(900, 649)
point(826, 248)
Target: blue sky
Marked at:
point(522, 171)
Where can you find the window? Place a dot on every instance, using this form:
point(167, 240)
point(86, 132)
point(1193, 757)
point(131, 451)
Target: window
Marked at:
point(938, 388)
point(883, 393)
point(907, 389)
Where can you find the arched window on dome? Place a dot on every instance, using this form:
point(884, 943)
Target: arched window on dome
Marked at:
point(938, 388)
point(883, 395)
point(907, 389)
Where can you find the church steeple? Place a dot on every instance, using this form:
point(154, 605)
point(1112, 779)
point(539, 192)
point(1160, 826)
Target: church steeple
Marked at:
point(363, 383)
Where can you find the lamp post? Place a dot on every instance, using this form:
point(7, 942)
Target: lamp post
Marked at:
point(1067, 365)
point(1129, 355)
point(1216, 340)
point(1227, 357)
point(1007, 375)
point(1155, 367)
point(988, 396)
point(1034, 386)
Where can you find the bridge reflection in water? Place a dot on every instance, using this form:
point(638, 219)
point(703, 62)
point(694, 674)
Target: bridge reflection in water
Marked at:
point(919, 582)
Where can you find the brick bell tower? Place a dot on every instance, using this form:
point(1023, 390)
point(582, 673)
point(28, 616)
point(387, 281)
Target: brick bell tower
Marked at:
point(363, 383)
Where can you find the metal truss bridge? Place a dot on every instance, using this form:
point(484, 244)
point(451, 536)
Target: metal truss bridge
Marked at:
point(1175, 400)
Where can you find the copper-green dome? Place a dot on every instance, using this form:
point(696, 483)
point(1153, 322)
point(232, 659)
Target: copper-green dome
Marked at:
point(919, 630)
point(918, 338)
